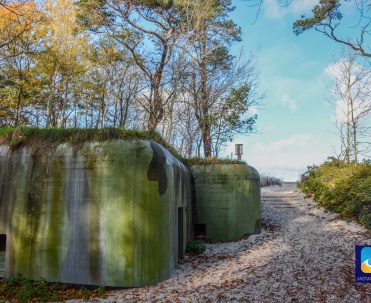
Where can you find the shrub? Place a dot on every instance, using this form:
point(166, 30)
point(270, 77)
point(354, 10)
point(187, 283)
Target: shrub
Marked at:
point(22, 290)
point(195, 247)
point(341, 188)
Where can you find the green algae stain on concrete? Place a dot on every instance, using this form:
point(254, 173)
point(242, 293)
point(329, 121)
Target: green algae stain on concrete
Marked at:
point(56, 223)
point(227, 200)
point(39, 223)
point(100, 213)
point(134, 215)
point(113, 194)
point(82, 263)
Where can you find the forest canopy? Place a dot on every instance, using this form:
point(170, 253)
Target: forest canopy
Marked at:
point(156, 65)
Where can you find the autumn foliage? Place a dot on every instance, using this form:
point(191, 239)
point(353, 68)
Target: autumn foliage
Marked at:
point(17, 18)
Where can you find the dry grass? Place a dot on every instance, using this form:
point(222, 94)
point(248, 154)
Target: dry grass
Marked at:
point(268, 181)
point(210, 161)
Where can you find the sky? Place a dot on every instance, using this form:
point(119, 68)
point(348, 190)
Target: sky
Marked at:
point(295, 125)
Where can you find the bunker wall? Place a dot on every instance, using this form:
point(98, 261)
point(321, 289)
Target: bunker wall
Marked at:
point(113, 213)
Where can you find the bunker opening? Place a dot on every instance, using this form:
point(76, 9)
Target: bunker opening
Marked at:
point(200, 231)
point(180, 232)
point(2, 255)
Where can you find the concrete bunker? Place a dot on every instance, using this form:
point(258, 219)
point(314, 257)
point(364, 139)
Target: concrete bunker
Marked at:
point(114, 213)
point(227, 201)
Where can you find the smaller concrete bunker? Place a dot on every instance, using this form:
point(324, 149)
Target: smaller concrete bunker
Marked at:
point(227, 201)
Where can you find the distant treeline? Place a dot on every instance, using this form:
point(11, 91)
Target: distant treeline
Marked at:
point(268, 181)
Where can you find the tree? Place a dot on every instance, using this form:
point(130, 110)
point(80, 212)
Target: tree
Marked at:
point(351, 85)
point(327, 19)
point(160, 65)
point(148, 30)
point(233, 116)
point(218, 83)
point(186, 136)
point(111, 84)
point(18, 86)
point(17, 18)
point(63, 58)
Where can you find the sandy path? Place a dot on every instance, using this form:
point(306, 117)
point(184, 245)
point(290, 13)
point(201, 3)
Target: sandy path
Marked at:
point(302, 255)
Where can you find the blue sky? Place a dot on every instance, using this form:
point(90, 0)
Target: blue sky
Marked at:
point(295, 125)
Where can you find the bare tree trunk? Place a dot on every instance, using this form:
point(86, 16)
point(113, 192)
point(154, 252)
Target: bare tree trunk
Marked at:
point(205, 125)
point(125, 117)
point(156, 109)
point(75, 113)
point(62, 121)
point(86, 115)
point(115, 113)
point(354, 126)
point(18, 110)
point(199, 147)
point(170, 121)
point(50, 99)
point(347, 147)
point(103, 110)
point(351, 123)
point(207, 141)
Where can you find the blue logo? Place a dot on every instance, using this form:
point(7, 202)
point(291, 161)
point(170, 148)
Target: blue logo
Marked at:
point(363, 264)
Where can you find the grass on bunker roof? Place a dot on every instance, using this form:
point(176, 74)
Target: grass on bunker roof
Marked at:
point(32, 136)
point(49, 138)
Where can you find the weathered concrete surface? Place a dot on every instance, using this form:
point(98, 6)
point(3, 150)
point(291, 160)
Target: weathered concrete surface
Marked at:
point(227, 200)
point(110, 213)
point(304, 254)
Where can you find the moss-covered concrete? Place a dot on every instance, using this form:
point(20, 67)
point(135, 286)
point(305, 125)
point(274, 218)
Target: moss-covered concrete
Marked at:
point(103, 213)
point(227, 200)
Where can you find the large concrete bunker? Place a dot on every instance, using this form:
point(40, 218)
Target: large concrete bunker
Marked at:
point(114, 213)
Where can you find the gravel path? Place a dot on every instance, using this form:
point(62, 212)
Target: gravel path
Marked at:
point(302, 255)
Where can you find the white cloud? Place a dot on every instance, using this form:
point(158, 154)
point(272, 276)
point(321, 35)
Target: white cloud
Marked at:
point(340, 70)
point(287, 158)
point(293, 142)
point(289, 102)
point(359, 110)
point(253, 110)
point(276, 9)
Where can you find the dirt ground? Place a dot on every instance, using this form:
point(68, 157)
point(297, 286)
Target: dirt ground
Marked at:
point(303, 254)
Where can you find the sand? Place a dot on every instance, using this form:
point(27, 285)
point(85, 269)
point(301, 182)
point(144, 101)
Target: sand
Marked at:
point(303, 254)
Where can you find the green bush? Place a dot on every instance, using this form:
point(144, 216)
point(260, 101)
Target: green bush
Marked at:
point(195, 247)
point(341, 188)
point(22, 290)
